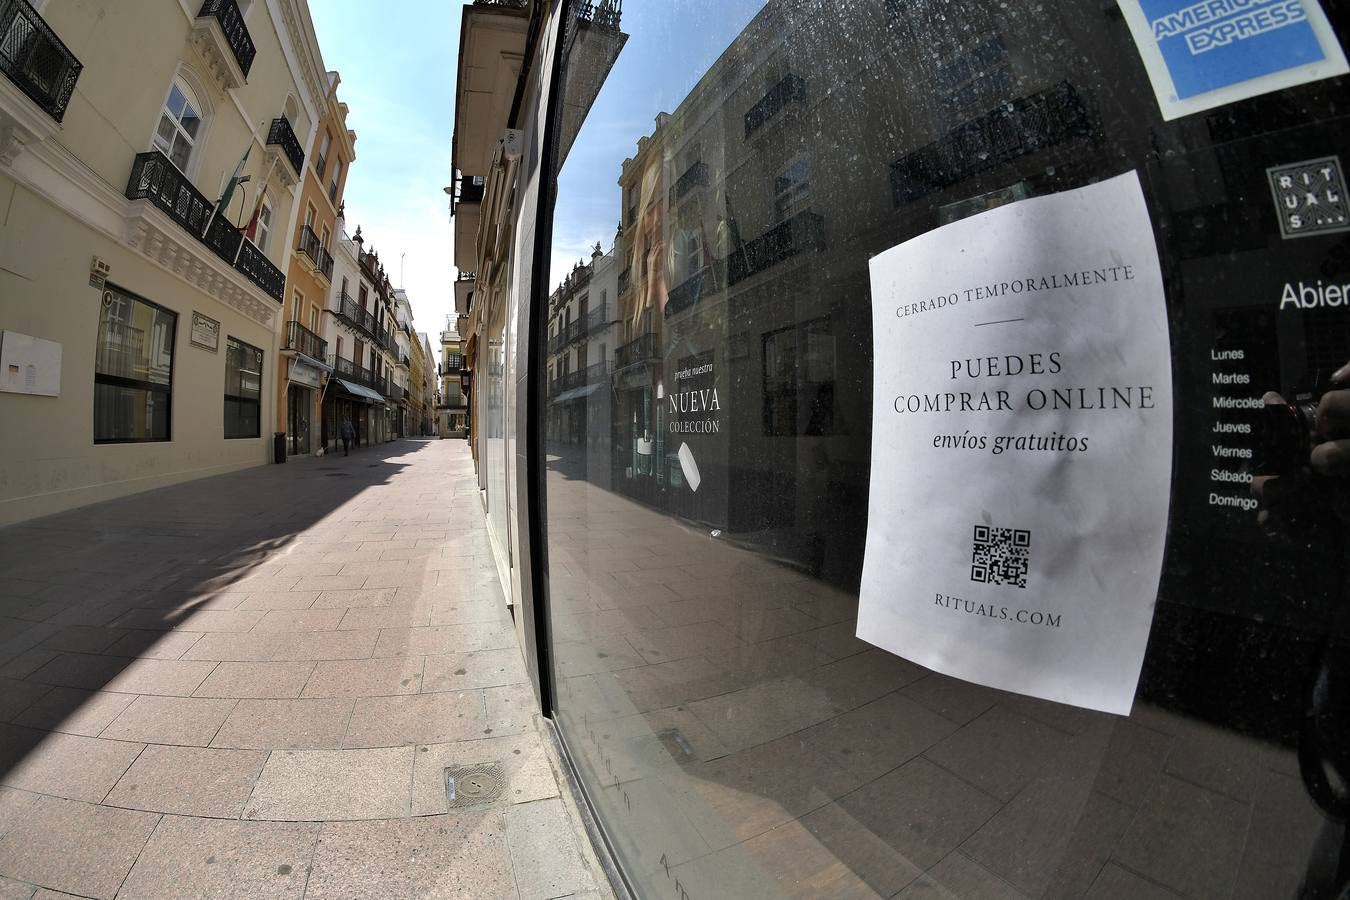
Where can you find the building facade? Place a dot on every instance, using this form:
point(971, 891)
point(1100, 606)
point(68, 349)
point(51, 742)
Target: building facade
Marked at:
point(453, 406)
point(362, 348)
point(309, 282)
point(138, 297)
point(430, 396)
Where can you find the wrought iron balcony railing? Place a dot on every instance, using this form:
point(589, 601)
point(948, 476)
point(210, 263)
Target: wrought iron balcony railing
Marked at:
point(695, 176)
point(605, 14)
point(311, 246)
point(350, 371)
point(581, 377)
point(792, 89)
point(283, 135)
point(804, 231)
point(466, 276)
point(33, 57)
point(156, 179)
point(302, 340)
point(231, 20)
point(640, 350)
point(687, 293)
point(359, 318)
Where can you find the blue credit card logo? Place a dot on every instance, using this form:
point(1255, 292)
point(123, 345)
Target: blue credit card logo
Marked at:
point(1213, 44)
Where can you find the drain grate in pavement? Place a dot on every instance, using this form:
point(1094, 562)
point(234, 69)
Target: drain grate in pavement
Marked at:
point(480, 784)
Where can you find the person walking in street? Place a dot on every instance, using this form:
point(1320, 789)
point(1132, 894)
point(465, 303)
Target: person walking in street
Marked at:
point(347, 433)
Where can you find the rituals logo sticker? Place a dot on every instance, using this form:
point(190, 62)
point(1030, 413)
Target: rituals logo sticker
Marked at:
point(1310, 197)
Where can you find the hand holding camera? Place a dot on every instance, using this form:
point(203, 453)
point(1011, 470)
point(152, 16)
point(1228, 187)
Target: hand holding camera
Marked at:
point(1301, 440)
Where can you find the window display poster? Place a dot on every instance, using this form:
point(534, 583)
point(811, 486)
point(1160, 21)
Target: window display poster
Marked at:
point(1200, 54)
point(1022, 446)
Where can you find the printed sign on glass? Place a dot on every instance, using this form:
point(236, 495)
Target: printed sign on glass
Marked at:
point(1022, 446)
point(1310, 197)
point(1204, 54)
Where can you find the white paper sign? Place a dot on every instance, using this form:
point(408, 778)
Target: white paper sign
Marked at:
point(1021, 446)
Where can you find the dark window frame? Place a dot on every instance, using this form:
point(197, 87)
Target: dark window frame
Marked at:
point(240, 399)
point(122, 381)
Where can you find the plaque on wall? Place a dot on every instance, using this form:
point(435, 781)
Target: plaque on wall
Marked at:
point(1022, 446)
point(205, 332)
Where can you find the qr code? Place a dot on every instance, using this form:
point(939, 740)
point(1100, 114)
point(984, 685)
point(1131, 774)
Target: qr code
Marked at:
point(1002, 556)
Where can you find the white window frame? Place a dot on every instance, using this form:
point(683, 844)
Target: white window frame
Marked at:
point(264, 232)
point(192, 96)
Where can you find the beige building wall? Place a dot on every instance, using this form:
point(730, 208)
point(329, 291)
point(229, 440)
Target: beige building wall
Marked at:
point(63, 202)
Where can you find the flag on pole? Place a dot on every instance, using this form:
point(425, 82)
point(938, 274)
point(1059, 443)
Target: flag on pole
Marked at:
point(252, 230)
point(229, 188)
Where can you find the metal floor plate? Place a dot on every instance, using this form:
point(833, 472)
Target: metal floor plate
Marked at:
point(480, 784)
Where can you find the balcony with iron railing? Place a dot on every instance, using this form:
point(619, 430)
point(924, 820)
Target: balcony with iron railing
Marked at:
point(282, 135)
point(302, 340)
point(693, 177)
point(357, 316)
point(804, 231)
point(156, 179)
point(35, 59)
point(581, 377)
point(687, 293)
point(226, 13)
point(791, 89)
point(606, 14)
point(350, 371)
point(311, 246)
point(640, 350)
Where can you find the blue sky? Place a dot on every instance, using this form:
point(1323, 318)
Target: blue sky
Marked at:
point(397, 61)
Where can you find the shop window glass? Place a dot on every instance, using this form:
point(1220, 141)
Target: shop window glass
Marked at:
point(243, 390)
point(133, 369)
point(708, 461)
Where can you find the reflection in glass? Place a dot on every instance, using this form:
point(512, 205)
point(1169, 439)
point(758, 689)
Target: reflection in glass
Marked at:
point(707, 428)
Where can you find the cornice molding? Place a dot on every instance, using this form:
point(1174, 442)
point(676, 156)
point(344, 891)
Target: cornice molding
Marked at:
point(52, 172)
point(22, 122)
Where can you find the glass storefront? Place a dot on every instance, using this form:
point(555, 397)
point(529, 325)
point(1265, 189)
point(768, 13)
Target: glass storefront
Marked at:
point(713, 448)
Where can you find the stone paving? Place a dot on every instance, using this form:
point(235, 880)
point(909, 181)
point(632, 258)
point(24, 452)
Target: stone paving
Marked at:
point(253, 685)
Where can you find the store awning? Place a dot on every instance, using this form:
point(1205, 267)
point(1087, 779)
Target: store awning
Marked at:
point(577, 393)
point(361, 391)
point(311, 361)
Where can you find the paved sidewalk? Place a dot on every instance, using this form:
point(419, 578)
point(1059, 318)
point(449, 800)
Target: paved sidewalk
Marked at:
point(254, 685)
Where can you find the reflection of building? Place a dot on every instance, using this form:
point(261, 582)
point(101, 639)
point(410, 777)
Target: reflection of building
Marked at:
point(119, 124)
point(583, 327)
point(310, 277)
point(640, 445)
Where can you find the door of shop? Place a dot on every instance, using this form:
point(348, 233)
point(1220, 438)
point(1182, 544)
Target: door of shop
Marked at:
point(298, 403)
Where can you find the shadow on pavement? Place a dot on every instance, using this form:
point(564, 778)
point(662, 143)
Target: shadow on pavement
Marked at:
point(90, 598)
